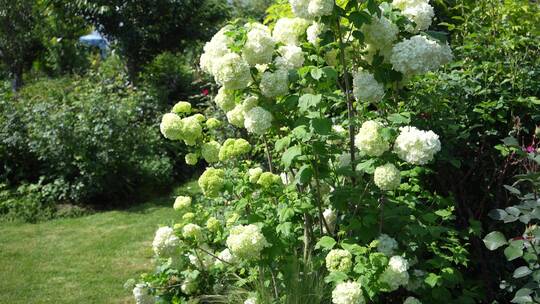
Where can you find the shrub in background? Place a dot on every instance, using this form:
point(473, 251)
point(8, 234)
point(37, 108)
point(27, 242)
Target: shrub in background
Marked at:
point(83, 139)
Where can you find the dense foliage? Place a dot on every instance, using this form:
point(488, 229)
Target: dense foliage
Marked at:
point(83, 139)
point(144, 29)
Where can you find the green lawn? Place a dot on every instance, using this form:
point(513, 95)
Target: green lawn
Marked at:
point(81, 260)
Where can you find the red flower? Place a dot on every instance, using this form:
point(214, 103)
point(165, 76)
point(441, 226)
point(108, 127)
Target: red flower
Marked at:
point(205, 92)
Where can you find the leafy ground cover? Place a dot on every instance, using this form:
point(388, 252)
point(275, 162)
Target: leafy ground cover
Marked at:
point(81, 260)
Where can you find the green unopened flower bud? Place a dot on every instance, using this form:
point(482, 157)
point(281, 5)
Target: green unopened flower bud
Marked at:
point(182, 107)
point(191, 159)
point(212, 123)
point(182, 202)
point(188, 216)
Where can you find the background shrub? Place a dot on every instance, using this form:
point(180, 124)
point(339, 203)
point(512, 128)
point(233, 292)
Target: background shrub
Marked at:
point(85, 139)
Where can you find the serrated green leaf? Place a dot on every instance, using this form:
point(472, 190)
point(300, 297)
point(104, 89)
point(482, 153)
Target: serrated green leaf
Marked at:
point(326, 243)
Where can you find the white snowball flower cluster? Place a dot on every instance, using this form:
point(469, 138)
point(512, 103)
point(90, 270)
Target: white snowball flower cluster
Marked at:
point(418, 11)
point(419, 55)
point(246, 241)
point(380, 33)
point(233, 72)
point(229, 69)
point(142, 295)
point(421, 14)
point(182, 202)
point(386, 244)
point(416, 146)
point(236, 116)
point(313, 32)
point(311, 9)
point(165, 242)
point(412, 300)
point(396, 274)
point(369, 139)
point(292, 57)
point(259, 46)
point(257, 120)
point(192, 231)
point(225, 99)
point(348, 293)
point(216, 48)
point(330, 217)
point(289, 30)
point(225, 256)
point(339, 260)
point(366, 88)
point(387, 177)
point(274, 84)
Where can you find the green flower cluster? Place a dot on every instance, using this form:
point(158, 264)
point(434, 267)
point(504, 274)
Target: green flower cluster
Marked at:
point(212, 181)
point(233, 148)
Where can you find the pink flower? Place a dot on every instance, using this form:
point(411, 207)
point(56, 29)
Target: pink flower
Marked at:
point(205, 92)
point(530, 149)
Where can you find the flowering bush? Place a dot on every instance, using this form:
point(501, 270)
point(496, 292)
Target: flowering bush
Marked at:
point(285, 188)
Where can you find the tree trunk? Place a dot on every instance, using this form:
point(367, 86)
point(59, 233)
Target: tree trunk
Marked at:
point(17, 81)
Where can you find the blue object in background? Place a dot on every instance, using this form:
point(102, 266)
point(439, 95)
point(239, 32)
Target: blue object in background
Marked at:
point(95, 39)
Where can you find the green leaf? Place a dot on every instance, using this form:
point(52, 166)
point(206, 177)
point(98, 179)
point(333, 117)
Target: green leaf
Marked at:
point(494, 240)
point(523, 296)
point(288, 156)
point(316, 73)
point(440, 36)
point(326, 243)
point(335, 277)
point(304, 174)
point(511, 141)
point(521, 272)
point(497, 214)
point(308, 100)
point(400, 118)
point(354, 248)
point(282, 143)
point(432, 279)
point(513, 252)
point(367, 166)
point(359, 18)
point(321, 126)
point(512, 190)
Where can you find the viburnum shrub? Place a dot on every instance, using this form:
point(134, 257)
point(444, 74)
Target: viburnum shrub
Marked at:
point(324, 169)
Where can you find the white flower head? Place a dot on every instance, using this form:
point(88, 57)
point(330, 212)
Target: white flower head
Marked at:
point(142, 295)
point(419, 55)
point(258, 120)
point(386, 245)
point(338, 260)
point(259, 46)
point(387, 177)
point(165, 242)
point(313, 32)
point(274, 84)
point(369, 139)
point(366, 88)
point(311, 9)
point(289, 30)
point(292, 57)
point(348, 293)
point(232, 72)
point(421, 14)
point(246, 242)
point(412, 300)
point(380, 33)
point(416, 146)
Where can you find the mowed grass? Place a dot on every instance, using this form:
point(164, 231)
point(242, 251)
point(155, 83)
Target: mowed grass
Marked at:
point(81, 260)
